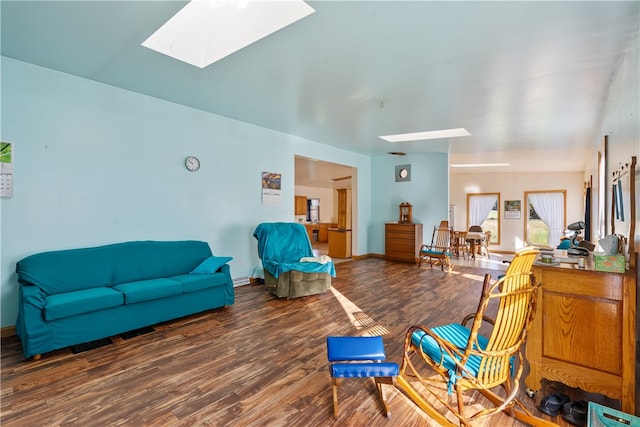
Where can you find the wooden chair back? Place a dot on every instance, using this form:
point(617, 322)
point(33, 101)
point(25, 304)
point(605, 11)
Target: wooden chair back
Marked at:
point(441, 238)
point(516, 294)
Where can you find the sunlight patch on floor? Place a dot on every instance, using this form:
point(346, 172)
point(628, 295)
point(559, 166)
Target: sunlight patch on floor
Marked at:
point(358, 318)
point(473, 277)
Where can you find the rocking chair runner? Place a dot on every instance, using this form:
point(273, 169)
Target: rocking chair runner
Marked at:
point(464, 359)
point(440, 247)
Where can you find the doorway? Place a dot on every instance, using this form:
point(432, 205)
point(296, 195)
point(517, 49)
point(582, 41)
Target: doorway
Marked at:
point(318, 180)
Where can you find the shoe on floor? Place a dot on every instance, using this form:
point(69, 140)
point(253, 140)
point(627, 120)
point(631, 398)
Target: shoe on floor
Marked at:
point(552, 404)
point(575, 412)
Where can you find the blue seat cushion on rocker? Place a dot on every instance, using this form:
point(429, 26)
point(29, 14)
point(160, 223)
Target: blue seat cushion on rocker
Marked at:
point(435, 253)
point(456, 334)
point(146, 290)
point(87, 300)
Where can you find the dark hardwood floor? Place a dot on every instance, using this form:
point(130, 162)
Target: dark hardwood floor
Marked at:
point(260, 362)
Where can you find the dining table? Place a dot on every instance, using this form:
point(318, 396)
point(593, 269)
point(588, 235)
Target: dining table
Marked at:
point(474, 238)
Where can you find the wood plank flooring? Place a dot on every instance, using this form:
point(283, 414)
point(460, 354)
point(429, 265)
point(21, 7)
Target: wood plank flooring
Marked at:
point(260, 362)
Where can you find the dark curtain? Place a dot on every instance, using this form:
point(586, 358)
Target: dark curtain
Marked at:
point(587, 215)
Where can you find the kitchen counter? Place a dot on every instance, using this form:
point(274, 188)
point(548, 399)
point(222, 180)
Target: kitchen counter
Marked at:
point(321, 229)
point(339, 243)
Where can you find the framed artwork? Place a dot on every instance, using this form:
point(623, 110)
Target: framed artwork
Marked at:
point(512, 209)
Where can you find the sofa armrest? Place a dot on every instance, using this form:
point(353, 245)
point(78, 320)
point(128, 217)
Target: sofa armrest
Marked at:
point(30, 325)
point(224, 269)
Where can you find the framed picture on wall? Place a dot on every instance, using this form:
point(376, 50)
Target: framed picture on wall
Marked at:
point(512, 209)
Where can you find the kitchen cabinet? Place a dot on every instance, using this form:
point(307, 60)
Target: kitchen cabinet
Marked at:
point(344, 209)
point(321, 229)
point(301, 205)
point(339, 243)
point(323, 234)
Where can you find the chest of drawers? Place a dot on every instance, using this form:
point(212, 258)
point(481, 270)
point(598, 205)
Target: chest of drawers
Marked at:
point(402, 241)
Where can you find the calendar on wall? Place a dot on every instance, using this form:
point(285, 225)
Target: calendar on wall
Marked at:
point(6, 169)
point(271, 188)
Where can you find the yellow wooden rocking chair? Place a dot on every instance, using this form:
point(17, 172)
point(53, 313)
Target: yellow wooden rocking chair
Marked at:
point(464, 359)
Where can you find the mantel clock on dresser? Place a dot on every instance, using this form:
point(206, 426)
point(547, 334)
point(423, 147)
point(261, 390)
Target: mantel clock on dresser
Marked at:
point(406, 214)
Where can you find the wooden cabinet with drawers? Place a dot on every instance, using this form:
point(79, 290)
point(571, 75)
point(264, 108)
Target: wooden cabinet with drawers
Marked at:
point(402, 241)
point(583, 331)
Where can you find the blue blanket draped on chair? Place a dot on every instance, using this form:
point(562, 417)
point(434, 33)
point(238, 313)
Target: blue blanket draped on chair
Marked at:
point(281, 245)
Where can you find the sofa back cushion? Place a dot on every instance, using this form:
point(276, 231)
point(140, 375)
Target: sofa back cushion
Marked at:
point(76, 269)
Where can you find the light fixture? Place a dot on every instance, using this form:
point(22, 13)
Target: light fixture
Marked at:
point(204, 32)
point(478, 165)
point(433, 134)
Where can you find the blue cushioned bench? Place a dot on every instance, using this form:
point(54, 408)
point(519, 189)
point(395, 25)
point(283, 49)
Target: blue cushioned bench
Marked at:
point(359, 357)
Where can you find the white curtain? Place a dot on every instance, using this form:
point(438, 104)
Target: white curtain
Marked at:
point(550, 209)
point(480, 207)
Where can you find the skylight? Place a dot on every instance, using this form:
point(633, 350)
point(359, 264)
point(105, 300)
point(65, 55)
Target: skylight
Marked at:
point(478, 165)
point(419, 136)
point(205, 31)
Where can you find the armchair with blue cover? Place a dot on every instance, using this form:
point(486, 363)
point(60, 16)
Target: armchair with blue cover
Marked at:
point(290, 268)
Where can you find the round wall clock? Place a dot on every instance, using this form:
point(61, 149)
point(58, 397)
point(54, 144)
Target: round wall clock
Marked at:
point(192, 163)
point(403, 173)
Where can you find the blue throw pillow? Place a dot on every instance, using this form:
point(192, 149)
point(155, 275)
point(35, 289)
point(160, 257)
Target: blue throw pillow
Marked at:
point(211, 264)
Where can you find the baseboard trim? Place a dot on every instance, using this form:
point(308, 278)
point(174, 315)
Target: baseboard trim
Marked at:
point(7, 331)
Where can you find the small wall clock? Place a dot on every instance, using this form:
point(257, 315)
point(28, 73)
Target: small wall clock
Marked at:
point(192, 163)
point(403, 173)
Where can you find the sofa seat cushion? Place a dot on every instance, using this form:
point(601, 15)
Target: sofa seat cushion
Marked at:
point(151, 289)
point(198, 282)
point(78, 302)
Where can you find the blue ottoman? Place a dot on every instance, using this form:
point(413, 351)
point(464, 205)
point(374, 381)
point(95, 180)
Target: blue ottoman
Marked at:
point(359, 357)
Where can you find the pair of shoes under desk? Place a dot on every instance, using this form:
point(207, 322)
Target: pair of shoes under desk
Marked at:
point(359, 357)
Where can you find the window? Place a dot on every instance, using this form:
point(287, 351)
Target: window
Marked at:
point(545, 221)
point(483, 209)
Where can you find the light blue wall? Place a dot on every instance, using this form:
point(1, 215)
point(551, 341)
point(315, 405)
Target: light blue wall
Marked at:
point(95, 164)
point(428, 192)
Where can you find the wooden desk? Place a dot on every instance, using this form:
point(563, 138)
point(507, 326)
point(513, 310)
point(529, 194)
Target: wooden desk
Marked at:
point(583, 332)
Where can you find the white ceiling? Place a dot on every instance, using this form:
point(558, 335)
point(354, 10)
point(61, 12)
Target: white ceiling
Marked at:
point(529, 80)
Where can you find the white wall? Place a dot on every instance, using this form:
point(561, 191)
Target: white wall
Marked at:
point(512, 186)
point(327, 211)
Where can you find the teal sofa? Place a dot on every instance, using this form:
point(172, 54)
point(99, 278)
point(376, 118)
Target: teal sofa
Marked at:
point(74, 296)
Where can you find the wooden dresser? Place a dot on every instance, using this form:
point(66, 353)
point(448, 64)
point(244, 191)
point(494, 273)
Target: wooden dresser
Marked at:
point(583, 332)
point(402, 241)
